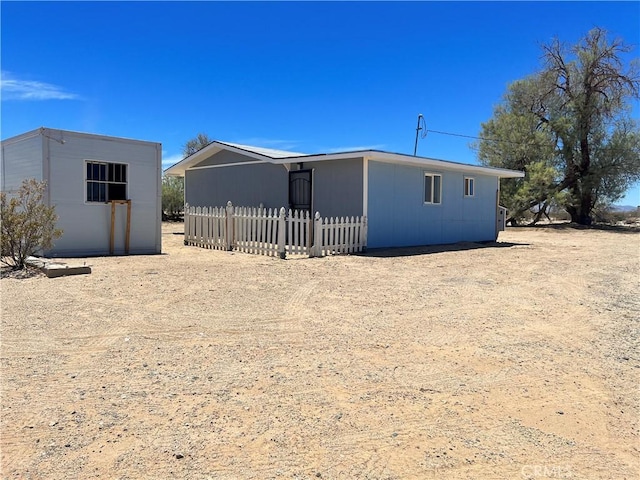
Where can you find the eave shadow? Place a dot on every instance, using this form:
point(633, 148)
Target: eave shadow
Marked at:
point(428, 249)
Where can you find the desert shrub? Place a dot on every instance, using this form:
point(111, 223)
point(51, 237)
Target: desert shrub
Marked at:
point(27, 225)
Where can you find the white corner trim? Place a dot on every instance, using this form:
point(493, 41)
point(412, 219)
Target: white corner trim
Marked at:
point(365, 186)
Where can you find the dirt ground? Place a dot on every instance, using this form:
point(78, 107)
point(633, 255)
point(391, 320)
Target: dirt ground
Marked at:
point(513, 360)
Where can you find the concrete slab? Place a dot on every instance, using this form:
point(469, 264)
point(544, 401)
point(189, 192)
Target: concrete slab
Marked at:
point(56, 270)
point(53, 269)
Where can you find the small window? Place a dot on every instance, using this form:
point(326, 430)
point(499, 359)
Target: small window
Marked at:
point(469, 187)
point(432, 188)
point(106, 181)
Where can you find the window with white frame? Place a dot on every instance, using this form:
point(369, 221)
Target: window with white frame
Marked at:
point(432, 188)
point(106, 181)
point(469, 187)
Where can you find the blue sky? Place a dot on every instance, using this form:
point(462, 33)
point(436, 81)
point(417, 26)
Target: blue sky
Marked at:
point(303, 76)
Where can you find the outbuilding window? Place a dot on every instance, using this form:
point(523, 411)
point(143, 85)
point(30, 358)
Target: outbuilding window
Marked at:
point(469, 187)
point(106, 181)
point(432, 188)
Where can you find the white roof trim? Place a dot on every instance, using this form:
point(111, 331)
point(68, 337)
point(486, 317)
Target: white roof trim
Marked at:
point(235, 164)
point(257, 153)
point(280, 157)
point(49, 132)
point(269, 152)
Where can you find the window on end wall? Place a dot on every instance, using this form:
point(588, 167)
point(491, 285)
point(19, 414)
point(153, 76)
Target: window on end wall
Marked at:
point(432, 188)
point(469, 187)
point(106, 181)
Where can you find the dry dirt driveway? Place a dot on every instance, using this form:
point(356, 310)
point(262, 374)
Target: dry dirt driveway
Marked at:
point(515, 360)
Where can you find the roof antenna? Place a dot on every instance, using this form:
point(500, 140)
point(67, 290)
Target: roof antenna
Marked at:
point(421, 126)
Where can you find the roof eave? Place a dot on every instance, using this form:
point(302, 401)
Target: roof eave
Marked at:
point(405, 159)
point(179, 168)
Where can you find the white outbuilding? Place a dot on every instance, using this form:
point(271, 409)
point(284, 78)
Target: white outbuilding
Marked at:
point(107, 191)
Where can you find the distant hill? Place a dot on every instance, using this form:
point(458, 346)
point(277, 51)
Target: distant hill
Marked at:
point(623, 208)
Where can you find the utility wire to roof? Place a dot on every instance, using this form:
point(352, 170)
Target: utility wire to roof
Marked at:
point(422, 131)
point(613, 150)
point(475, 138)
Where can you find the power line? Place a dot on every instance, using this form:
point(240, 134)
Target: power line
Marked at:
point(493, 139)
point(457, 135)
point(475, 138)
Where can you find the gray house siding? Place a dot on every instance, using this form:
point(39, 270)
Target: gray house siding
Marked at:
point(86, 225)
point(249, 185)
point(21, 158)
point(398, 216)
point(337, 187)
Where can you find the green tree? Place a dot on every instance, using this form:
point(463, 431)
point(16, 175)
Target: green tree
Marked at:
point(172, 197)
point(173, 187)
point(27, 224)
point(198, 143)
point(568, 127)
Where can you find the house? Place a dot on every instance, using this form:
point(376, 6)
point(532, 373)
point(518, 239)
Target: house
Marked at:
point(106, 190)
point(408, 200)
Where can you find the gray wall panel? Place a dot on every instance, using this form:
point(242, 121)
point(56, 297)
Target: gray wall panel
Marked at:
point(337, 187)
point(246, 186)
point(20, 159)
point(225, 156)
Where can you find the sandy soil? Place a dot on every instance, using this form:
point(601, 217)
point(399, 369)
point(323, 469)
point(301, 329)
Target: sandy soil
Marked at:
point(517, 360)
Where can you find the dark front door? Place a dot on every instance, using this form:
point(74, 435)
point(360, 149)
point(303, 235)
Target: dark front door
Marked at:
point(300, 183)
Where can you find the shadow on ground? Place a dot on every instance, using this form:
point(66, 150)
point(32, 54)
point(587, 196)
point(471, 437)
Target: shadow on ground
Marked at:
point(566, 226)
point(27, 272)
point(427, 249)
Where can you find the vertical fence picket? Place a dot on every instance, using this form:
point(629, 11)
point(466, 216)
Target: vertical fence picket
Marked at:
point(300, 232)
point(237, 227)
point(187, 221)
point(254, 231)
point(334, 234)
point(205, 225)
point(289, 231)
point(301, 235)
point(352, 240)
point(198, 218)
point(347, 235)
point(247, 234)
point(263, 230)
point(310, 230)
point(282, 225)
point(295, 240)
point(317, 236)
point(242, 235)
point(246, 228)
point(255, 237)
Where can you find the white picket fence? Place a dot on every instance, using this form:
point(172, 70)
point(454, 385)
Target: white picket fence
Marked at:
point(272, 232)
point(339, 235)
